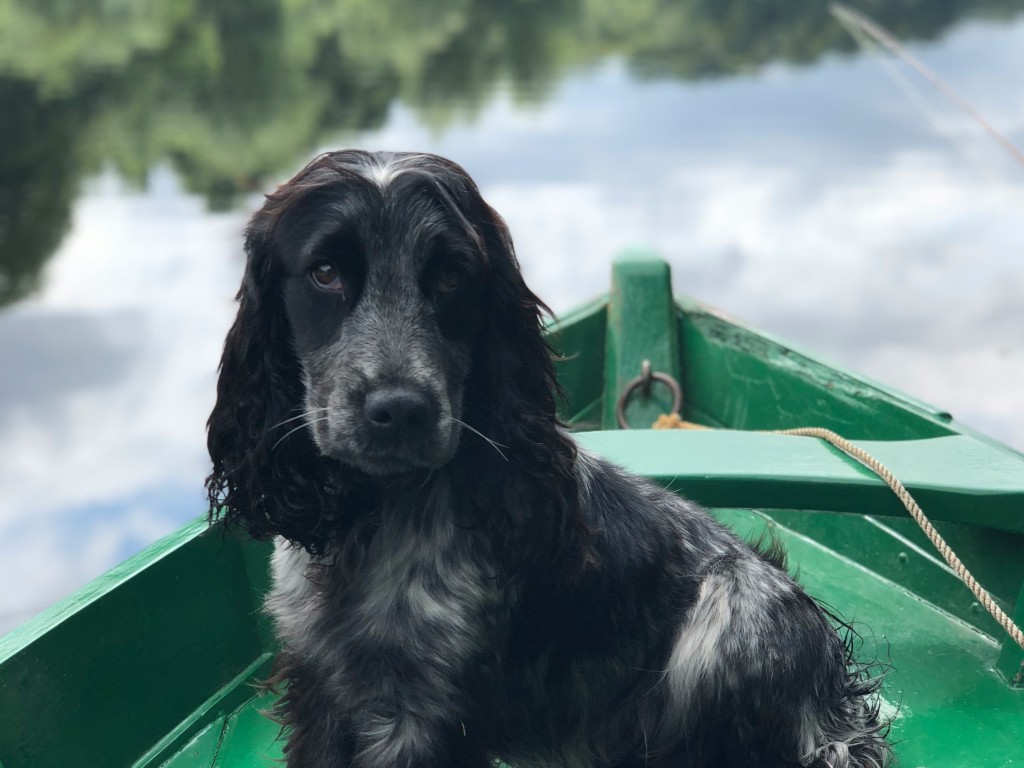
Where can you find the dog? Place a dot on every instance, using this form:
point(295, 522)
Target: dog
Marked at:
point(455, 580)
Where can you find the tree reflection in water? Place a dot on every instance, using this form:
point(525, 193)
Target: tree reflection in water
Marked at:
point(229, 93)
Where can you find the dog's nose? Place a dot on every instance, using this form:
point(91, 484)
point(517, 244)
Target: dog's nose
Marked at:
point(398, 412)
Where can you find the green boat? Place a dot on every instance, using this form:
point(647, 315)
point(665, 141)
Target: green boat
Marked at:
point(155, 663)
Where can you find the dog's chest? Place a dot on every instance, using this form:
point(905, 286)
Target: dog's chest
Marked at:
point(421, 586)
point(425, 581)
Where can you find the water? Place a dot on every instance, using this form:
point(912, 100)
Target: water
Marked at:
point(785, 173)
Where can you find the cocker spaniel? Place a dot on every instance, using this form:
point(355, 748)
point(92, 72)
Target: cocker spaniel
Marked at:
point(454, 580)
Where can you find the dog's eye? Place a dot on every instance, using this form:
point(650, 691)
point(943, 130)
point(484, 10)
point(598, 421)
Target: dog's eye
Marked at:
point(448, 280)
point(326, 277)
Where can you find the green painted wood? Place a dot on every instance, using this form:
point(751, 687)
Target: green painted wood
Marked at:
point(641, 325)
point(107, 674)
point(736, 377)
point(954, 478)
point(578, 341)
point(897, 550)
point(251, 738)
point(229, 697)
point(243, 738)
point(1011, 657)
point(202, 749)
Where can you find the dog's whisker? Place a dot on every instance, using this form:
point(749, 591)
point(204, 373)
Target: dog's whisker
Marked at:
point(304, 414)
point(494, 444)
point(293, 431)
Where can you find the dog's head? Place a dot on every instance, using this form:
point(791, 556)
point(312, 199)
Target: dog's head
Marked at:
point(383, 327)
point(382, 278)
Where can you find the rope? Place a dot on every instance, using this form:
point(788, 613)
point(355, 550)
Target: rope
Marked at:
point(915, 511)
point(674, 421)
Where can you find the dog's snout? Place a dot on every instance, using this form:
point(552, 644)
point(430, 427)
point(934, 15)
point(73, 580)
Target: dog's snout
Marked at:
point(399, 412)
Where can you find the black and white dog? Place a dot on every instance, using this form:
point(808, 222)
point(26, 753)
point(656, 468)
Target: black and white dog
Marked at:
point(455, 581)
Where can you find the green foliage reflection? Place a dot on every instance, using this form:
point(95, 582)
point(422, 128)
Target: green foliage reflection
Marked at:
point(230, 92)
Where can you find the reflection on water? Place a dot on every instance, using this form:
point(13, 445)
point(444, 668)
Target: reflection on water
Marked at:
point(787, 179)
point(231, 93)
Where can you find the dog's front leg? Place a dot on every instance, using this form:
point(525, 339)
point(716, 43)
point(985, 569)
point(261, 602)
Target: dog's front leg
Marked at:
point(365, 729)
point(400, 740)
point(413, 703)
point(421, 629)
point(319, 732)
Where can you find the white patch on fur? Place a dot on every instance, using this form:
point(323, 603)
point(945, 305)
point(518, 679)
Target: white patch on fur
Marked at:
point(387, 740)
point(587, 468)
point(695, 655)
point(291, 601)
point(388, 170)
point(382, 175)
point(733, 610)
point(423, 603)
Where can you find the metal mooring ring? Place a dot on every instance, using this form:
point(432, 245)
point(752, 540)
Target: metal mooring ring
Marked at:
point(643, 382)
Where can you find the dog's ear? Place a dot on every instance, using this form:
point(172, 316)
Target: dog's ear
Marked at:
point(512, 397)
point(260, 482)
point(513, 354)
